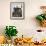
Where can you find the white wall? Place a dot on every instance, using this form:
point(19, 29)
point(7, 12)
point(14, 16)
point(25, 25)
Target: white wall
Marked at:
point(27, 26)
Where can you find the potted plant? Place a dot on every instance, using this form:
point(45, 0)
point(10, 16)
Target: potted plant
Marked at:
point(42, 17)
point(10, 31)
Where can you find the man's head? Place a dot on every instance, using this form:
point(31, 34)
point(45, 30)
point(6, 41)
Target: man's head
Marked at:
point(43, 8)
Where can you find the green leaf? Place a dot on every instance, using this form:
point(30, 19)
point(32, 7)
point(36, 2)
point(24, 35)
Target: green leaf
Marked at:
point(10, 31)
point(45, 16)
point(40, 18)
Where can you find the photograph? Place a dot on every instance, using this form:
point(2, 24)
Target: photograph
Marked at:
point(17, 10)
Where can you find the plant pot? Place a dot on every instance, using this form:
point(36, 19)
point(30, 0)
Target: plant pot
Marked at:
point(43, 23)
point(9, 41)
point(13, 38)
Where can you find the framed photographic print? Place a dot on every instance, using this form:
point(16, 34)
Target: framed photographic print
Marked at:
point(17, 10)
